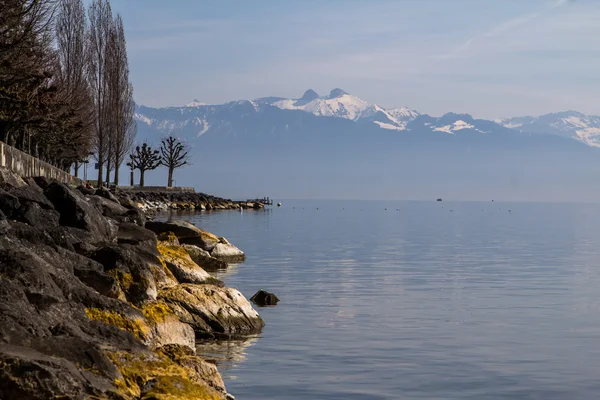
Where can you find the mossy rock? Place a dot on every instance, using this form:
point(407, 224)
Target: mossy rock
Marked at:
point(138, 327)
point(157, 377)
point(179, 262)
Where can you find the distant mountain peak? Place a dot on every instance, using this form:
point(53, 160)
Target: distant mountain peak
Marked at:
point(195, 103)
point(309, 95)
point(335, 93)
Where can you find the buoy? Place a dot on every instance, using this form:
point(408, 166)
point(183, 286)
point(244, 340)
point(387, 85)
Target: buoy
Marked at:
point(278, 204)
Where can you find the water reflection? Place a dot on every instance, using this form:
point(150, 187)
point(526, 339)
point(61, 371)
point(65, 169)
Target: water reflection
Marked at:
point(226, 354)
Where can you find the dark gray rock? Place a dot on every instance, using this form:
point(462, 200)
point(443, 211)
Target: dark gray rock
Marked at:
point(31, 193)
point(131, 233)
point(104, 192)
point(9, 204)
point(263, 298)
point(34, 215)
point(76, 212)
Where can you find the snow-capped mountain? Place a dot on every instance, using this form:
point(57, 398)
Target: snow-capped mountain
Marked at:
point(340, 104)
point(570, 124)
point(341, 146)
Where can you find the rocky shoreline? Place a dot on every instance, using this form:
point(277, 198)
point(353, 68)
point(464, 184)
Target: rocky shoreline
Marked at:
point(162, 201)
point(98, 303)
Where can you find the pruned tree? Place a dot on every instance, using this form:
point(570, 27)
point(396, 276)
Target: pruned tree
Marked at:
point(144, 159)
point(174, 154)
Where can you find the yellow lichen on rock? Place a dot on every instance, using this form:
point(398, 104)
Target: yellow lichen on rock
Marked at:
point(156, 376)
point(157, 312)
point(124, 279)
point(136, 326)
point(168, 238)
point(182, 266)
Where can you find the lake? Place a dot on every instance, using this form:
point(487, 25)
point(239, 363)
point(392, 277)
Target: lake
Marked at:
point(415, 300)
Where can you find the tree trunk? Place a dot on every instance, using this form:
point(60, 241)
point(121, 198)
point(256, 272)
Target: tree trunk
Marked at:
point(170, 181)
point(76, 169)
point(100, 166)
point(131, 179)
point(116, 180)
point(108, 171)
point(142, 177)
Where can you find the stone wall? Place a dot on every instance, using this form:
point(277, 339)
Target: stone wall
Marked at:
point(26, 165)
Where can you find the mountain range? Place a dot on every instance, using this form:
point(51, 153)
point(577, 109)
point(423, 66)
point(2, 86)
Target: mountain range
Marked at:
point(325, 141)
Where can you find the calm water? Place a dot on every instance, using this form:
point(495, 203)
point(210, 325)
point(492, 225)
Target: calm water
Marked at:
point(416, 301)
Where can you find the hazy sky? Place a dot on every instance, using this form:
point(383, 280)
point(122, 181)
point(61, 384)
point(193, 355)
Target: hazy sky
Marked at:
point(490, 58)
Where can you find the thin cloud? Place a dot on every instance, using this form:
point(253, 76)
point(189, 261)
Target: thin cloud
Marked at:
point(499, 30)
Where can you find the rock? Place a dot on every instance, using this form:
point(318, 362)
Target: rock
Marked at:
point(76, 212)
point(213, 311)
point(11, 178)
point(181, 265)
point(9, 204)
point(203, 370)
point(105, 193)
point(134, 274)
point(168, 238)
point(34, 215)
point(92, 274)
point(204, 259)
point(108, 208)
point(228, 253)
point(263, 298)
point(85, 190)
point(29, 374)
point(131, 233)
point(167, 329)
point(186, 233)
point(66, 328)
point(30, 193)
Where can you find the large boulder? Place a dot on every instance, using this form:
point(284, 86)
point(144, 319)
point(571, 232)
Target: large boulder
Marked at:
point(9, 204)
point(132, 272)
point(213, 311)
point(34, 215)
point(104, 192)
point(186, 233)
point(181, 265)
point(166, 327)
point(75, 211)
point(204, 259)
point(31, 193)
point(108, 208)
point(131, 233)
point(8, 177)
point(228, 253)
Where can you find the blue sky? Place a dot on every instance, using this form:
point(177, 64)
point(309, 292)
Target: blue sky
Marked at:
point(490, 58)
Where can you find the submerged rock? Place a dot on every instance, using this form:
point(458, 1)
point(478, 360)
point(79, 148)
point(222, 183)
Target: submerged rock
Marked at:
point(213, 311)
point(263, 298)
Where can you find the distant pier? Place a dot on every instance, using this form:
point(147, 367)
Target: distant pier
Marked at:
point(266, 201)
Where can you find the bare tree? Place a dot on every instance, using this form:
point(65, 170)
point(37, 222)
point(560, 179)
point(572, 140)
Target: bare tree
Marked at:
point(144, 159)
point(100, 20)
point(122, 106)
point(71, 50)
point(173, 154)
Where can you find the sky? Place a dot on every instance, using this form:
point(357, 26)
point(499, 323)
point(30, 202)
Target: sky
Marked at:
point(489, 58)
